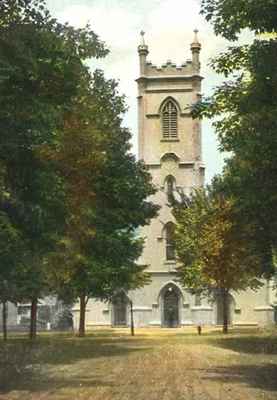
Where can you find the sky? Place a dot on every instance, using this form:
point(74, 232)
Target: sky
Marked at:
point(169, 26)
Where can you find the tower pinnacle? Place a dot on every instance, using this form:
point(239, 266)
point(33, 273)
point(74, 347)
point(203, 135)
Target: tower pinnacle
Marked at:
point(142, 48)
point(142, 33)
point(143, 51)
point(195, 49)
point(195, 36)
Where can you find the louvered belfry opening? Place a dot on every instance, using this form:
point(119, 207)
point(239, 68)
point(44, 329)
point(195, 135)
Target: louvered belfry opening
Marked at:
point(169, 120)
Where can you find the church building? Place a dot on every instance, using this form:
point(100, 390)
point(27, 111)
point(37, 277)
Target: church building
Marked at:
point(170, 145)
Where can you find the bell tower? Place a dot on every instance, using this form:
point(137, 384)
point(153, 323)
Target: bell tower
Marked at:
point(170, 145)
point(166, 128)
point(169, 139)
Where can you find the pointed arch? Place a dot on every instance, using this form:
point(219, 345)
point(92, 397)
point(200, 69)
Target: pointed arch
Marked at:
point(170, 187)
point(174, 101)
point(169, 110)
point(170, 156)
point(168, 234)
point(166, 285)
point(171, 298)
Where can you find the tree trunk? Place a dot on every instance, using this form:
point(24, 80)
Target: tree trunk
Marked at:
point(225, 309)
point(132, 319)
point(82, 321)
point(4, 320)
point(33, 321)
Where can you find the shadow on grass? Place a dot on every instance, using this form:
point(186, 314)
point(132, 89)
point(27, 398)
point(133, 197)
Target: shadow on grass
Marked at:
point(40, 383)
point(71, 352)
point(260, 377)
point(248, 344)
point(64, 350)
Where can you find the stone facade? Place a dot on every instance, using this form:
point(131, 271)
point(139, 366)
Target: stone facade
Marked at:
point(170, 145)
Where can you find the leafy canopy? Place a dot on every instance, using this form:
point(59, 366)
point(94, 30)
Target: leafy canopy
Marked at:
point(214, 249)
point(42, 77)
point(230, 17)
point(100, 246)
point(245, 107)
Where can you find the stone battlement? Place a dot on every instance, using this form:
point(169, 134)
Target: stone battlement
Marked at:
point(169, 68)
point(189, 67)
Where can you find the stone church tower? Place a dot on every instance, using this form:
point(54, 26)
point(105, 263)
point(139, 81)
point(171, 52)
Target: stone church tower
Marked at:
point(170, 145)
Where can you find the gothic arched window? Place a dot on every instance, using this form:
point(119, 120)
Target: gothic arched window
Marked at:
point(169, 240)
point(170, 185)
point(169, 120)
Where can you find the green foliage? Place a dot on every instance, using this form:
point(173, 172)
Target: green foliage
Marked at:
point(42, 77)
point(98, 255)
point(230, 17)
point(245, 109)
point(69, 185)
point(215, 250)
point(45, 75)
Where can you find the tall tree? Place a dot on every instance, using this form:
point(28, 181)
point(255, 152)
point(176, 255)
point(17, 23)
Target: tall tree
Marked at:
point(98, 254)
point(215, 250)
point(245, 108)
point(41, 75)
point(68, 167)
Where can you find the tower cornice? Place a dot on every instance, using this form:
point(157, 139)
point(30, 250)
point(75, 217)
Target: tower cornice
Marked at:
point(145, 78)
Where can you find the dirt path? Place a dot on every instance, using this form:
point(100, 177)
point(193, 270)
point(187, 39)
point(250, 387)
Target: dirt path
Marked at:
point(182, 373)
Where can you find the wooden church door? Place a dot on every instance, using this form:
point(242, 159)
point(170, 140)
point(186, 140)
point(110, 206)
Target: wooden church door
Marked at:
point(171, 308)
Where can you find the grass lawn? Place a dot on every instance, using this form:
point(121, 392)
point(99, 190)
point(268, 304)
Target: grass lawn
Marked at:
point(156, 364)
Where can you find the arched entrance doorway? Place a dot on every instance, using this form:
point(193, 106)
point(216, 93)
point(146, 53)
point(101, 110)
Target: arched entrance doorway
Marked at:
point(120, 309)
point(171, 297)
point(219, 309)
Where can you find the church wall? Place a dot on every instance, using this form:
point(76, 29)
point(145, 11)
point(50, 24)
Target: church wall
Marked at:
point(250, 308)
point(97, 314)
point(180, 157)
point(185, 178)
point(253, 307)
point(202, 315)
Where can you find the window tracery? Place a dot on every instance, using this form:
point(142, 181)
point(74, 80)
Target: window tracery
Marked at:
point(169, 120)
